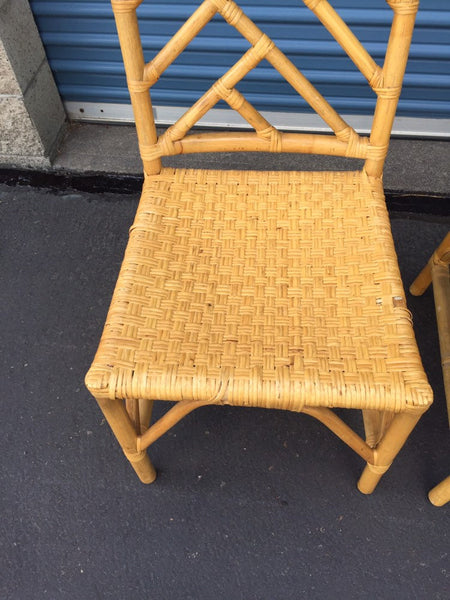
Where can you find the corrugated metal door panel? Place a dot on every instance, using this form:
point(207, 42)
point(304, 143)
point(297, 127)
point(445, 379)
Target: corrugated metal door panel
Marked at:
point(81, 44)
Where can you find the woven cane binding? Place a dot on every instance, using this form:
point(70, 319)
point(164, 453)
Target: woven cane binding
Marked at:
point(272, 289)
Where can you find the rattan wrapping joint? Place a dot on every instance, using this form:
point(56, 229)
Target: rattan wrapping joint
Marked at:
point(150, 152)
point(312, 4)
point(377, 78)
point(125, 6)
point(134, 457)
point(138, 86)
point(274, 137)
point(440, 259)
point(376, 152)
point(229, 10)
point(263, 46)
point(231, 95)
point(390, 93)
point(404, 7)
point(151, 74)
point(378, 469)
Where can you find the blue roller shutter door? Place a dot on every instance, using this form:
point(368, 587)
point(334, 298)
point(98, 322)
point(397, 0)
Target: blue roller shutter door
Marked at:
point(82, 48)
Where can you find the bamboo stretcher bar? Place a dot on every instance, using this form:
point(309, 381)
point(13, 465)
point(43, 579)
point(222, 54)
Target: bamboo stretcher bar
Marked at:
point(342, 430)
point(248, 141)
point(345, 37)
point(171, 418)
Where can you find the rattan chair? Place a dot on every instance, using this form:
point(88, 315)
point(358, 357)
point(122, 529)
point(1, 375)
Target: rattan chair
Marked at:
point(437, 271)
point(263, 289)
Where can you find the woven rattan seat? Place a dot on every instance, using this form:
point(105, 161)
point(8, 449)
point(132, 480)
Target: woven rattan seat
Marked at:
point(269, 289)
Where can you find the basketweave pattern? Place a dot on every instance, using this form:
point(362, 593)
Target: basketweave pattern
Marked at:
point(271, 289)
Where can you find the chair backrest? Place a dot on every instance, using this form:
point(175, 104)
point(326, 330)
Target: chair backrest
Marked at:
point(385, 81)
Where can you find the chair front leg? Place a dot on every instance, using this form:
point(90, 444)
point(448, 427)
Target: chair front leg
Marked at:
point(388, 448)
point(117, 416)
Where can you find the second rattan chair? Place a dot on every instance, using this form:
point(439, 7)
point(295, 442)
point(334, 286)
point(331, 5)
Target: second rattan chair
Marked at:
point(264, 289)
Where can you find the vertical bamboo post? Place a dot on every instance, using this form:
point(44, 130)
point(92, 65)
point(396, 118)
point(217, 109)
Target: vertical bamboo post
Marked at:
point(441, 291)
point(440, 256)
point(133, 58)
point(389, 88)
point(145, 414)
point(119, 421)
point(437, 270)
point(387, 450)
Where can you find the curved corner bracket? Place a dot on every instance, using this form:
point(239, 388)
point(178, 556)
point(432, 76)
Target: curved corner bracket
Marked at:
point(341, 430)
point(167, 421)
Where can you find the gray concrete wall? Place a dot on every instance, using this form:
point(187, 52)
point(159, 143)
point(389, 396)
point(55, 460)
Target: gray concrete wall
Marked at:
point(32, 117)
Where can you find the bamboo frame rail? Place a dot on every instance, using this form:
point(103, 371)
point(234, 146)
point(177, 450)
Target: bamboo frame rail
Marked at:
point(271, 289)
point(250, 142)
point(345, 38)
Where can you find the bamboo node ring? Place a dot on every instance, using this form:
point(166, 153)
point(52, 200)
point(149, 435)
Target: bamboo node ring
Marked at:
point(404, 7)
point(125, 6)
point(138, 86)
point(378, 469)
point(151, 73)
point(312, 4)
point(230, 11)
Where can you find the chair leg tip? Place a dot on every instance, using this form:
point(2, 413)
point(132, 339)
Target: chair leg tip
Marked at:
point(147, 474)
point(363, 489)
point(150, 478)
point(440, 494)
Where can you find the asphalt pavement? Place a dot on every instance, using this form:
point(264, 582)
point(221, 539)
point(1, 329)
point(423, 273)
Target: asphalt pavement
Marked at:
point(248, 504)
